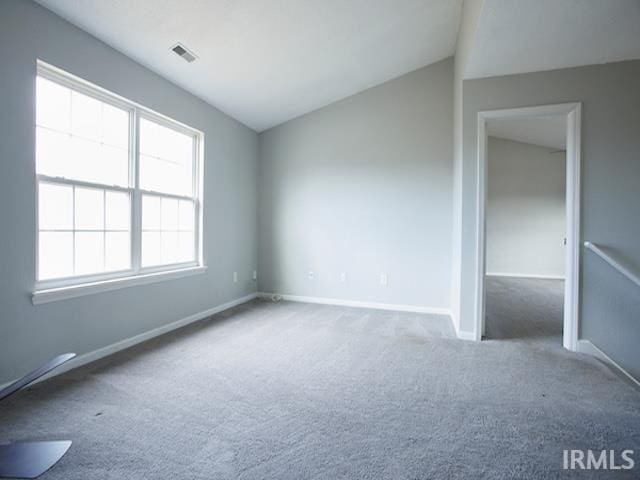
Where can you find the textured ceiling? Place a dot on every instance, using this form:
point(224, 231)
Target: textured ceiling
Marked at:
point(266, 61)
point(517, 36)
point(549, 131)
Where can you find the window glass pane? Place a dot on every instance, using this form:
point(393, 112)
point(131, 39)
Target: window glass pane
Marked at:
point(117, 251)
point(166, 159)
point(112, 166)
point(89, 204)
point(53, 106)
point(161, 176)
point(166, 217)
point(55, 255)
point(149, 138)
point(118, 211)
point(74, 158)
point(55, 207)
point(115, 126)
point(169, 247)
point(79, 137)
point(186, 247)
point(85, 116)
point(186, 216)
point(89, 252)
point(83, 155)
point(150, 212)
point(169, 214)
point(97, 163)
point(52, 153)
point(176, 146)
point(151, 249)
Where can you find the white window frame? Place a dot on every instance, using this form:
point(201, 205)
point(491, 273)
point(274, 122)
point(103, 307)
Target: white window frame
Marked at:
point(68, 287)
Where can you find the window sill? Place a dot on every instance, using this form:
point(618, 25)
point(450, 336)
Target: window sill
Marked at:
point(63, 293)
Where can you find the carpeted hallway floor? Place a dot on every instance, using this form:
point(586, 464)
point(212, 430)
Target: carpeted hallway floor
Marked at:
point(297, 391)
point(526, 309)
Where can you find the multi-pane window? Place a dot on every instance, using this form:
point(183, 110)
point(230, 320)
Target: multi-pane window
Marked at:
point(118, 191)
point(166, 168)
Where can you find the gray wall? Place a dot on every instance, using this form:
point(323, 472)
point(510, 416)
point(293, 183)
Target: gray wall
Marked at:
point(363, 186)
point(525, 209)
point(30, 334)
point(609, 305)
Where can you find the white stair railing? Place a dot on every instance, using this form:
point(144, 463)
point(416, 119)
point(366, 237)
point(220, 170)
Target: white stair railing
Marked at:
point(614, 263)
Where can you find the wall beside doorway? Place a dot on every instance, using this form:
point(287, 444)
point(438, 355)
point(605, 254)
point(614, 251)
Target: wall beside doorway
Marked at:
point(609, 96)
point(525, 209)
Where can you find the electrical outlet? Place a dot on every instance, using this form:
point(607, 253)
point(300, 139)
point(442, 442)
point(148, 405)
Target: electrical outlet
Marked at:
point(343, 277)
point(312, 275)
point(235, 277)
point(384, 279)
point(255, 275)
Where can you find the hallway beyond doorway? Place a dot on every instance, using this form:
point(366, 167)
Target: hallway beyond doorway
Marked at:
point(528, 309)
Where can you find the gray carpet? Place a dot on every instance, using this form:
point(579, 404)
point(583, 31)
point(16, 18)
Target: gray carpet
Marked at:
point(298, 391)
point(526, 309)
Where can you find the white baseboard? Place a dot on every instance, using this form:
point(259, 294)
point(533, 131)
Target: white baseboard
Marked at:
point(585, 346)
point(464, 335)
point(525, 275)
point(359, 304)
point(149, 334)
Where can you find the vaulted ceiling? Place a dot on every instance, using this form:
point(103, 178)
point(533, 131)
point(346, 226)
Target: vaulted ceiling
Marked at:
point(266, 61)
point(518, 36)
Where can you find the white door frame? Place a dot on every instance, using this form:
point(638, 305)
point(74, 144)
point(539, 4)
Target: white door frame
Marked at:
point(572, 257)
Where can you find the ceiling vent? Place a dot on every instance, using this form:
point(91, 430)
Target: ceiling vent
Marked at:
point(183, 52)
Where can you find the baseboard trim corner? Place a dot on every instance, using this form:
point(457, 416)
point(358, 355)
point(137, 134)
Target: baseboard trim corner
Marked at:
point(464, 335)
point(585, 346)
point(359, 304)
point(105, 351)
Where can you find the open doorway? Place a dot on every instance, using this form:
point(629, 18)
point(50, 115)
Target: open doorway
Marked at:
point(525, 228)
point(528, 224)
